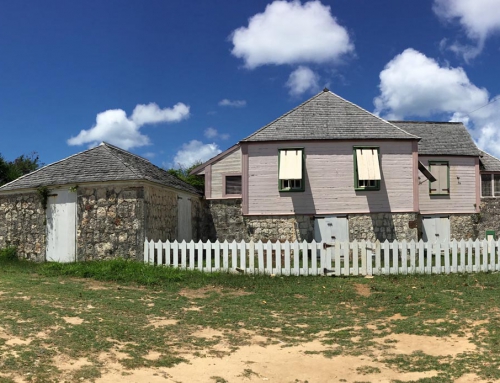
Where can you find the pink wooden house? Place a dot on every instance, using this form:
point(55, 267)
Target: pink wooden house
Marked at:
point(330, 170)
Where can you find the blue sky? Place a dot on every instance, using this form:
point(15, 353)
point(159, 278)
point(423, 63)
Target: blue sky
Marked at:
point(177, 81)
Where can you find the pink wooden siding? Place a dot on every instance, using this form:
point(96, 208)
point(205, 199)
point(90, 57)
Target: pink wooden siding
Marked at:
point(231, 164)
point(329, 179)
point(462, 198)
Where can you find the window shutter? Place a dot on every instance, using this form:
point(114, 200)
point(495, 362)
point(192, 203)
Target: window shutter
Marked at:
point(443, 179)
point(290, 166)
point(368, 164)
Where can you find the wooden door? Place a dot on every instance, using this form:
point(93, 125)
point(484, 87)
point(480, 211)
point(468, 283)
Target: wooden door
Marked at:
point(61, 226)
point(330, 229)
point(184, 222)
point(435, 228)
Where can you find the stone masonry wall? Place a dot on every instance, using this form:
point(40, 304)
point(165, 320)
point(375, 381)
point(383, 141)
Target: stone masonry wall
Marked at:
point(382, 226)
point(160, 207)
point(464, 226)
point(489, 218)
point(22, 224)
point(110, 222)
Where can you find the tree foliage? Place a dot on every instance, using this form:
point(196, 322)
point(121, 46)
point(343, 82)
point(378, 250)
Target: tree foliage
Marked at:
point(24, 164)
point(183, 174)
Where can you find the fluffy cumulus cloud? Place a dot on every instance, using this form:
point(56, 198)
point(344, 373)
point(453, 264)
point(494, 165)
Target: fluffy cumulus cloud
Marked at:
point(115, 127)
point(414, 85)
point(233, 103)
point(195, 151)
point(291, 33)
point(479, 18)
point(212, 133)
point(302, 80)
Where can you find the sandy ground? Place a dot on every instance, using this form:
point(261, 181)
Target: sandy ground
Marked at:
point(262, 362)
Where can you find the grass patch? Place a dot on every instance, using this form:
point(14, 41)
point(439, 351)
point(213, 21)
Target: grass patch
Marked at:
point(147, 315)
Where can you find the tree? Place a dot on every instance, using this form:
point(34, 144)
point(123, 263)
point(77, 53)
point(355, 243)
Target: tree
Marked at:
point(183, 174)
point(22, 165)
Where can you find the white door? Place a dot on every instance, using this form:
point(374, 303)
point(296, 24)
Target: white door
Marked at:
point(61, 226)
point(435, 228)
point(184, 228)
point(330, 229)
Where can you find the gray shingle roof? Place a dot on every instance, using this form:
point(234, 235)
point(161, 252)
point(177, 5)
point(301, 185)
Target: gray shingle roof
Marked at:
point(489, 163)
point(441, 138)
point(327, 116)
point(102, 163)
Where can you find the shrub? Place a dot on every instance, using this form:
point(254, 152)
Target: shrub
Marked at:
point(8, 254)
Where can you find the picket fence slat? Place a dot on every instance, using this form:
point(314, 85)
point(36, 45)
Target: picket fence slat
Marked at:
point(318, 258)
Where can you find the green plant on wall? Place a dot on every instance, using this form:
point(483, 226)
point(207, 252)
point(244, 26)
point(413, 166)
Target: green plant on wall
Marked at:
point(73, 189)
point(43, 193)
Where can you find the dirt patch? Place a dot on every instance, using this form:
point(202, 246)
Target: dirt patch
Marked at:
point(205, 291)
point(431, 345)
point(73, 320)
point(396, 316)
point(207, 332)
point(161, 322)
point(362, 289)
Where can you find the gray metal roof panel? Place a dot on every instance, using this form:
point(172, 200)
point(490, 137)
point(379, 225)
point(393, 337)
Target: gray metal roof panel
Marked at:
point(100, 164)
point(441, 138)
point(328, 116)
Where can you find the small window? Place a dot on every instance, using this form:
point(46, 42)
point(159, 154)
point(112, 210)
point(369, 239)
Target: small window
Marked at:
point(291, 169)
point(496, 185)
point(367, 174)
point(486, 190)
point(441, 171)
point(232, 185)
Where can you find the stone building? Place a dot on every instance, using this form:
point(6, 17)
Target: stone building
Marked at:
point(97, 204)
point(330, 170)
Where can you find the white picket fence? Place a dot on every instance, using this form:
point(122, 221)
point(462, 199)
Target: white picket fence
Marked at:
point(339, 258)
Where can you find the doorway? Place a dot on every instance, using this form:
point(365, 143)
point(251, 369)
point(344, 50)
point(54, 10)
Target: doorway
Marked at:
point(61, 226)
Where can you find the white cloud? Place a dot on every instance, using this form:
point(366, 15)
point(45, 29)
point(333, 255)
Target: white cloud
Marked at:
point(115, 127)
point(233, 103)
point(152, 114)
point(195, 151)
point(413, 84)
point(149, 155)
point(291, 33)
point(212, 133)
point(479, 18)
point(302, 80)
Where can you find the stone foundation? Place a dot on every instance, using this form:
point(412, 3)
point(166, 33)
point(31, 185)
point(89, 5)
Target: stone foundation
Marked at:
point(489, 218)
point(382, 226)
point(464, 226)
point(22, 224)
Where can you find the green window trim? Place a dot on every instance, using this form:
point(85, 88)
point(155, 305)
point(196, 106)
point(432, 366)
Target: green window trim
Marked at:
point(438, 162)
point(302, 181)
point(357, 186)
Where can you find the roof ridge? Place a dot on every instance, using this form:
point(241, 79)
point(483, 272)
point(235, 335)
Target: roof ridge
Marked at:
point(374, 115)
point(46, 166)
point(129, 166)
point(426, 122)
point(283, 115)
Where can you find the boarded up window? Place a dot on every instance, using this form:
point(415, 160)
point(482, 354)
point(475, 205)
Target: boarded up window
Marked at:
point(233, 185)
point(486, 185)
point(368, 164)
point(290, 164)
point(440, 171)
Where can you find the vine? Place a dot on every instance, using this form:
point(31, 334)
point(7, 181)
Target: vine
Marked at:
point(43, 193)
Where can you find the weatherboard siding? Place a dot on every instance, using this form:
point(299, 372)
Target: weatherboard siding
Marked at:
point(230, 164)
point(462, 198)
point(329, 179)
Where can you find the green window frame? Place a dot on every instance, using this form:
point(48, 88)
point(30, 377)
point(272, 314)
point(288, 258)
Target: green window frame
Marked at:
point(432, 185)
point(365, 185)
point(288, 185)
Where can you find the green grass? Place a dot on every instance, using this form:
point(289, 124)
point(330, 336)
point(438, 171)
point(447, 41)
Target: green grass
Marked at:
point(118, 313)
